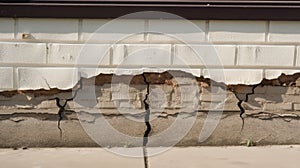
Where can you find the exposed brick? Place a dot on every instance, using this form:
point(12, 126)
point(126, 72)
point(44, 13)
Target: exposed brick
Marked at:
point(124, 95)
point(49, 29)
point(213, 90)
point(176, 31)
point(213, 97)
point(22, 53)
point(6, 28)
point(284, 31)
point(128, 104)
point(266, 55)
point(291, 98)
point(107, 105)
point(89, 54)
point(49, 104)
point(204, 55)
point(297, 107)
point(119, 30)
point(253, 31)
point(158, 94)
point(293, 90)
point(186, 93)
point(219, 106)
point(105, 96)
point(243, 89)
point(276, 90)
point(158, 105)
point(278, 106)
point(184, 80)
point(6, 78)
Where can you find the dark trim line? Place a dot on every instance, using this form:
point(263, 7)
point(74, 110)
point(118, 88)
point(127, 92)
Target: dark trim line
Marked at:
point(222, 10)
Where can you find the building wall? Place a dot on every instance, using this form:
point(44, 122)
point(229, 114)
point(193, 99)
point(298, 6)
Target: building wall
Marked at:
point(42, 59)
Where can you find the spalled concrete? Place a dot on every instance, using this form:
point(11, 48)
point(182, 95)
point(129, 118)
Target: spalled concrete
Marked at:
point(156, 100)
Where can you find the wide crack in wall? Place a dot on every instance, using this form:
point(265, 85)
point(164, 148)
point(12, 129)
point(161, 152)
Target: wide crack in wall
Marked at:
point(28, 117)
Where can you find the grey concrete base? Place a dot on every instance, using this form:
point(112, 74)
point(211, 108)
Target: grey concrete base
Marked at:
point(41, 130)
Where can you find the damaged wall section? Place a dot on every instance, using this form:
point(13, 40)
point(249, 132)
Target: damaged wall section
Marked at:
point(30, 117)
point(40, 63)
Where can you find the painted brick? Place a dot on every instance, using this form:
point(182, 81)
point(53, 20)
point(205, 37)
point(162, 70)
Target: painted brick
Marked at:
point(284, 31)
point(242, 31)
point(266, 55)
point(118, 54)
point(6, 78)
point(204, 55)
point(6, 28)
point(22, 53)
point(45, 78)
point(274, 73)
point(144, 54)
point(176, 31)
point(90, 54)
point(121, 30)
point(49, 29)
point(298, 57)
point(235, 76)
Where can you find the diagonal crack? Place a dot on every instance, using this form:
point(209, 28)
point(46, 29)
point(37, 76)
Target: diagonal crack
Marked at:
point(148, 126)
point(239, 103)
point(62, 107)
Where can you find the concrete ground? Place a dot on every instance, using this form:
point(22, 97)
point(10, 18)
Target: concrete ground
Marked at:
point(188, 157)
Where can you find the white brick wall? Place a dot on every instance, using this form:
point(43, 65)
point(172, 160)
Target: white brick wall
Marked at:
point(6, 28)
point(272, 74)
point(33, 51)
point(48, 29)
point(174, 31)
point(37, 78)
point(239, 31)
point(266, 55)
point(23, 53)
point(6, 78)
point(204, 55)
point(147, 54)
point(76, 54)
point(284, 31)
point(100, 30)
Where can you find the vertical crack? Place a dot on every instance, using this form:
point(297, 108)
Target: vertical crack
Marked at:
point(148, 126)
point(239, 103)
point(62, 107)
